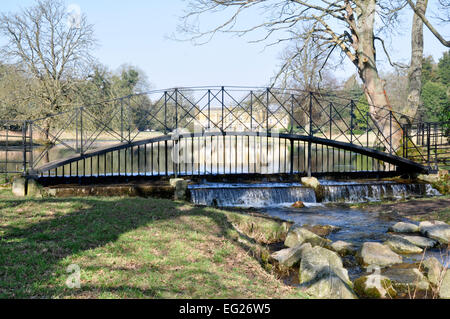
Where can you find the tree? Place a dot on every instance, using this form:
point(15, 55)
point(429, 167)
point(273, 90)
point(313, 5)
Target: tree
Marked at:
point(54, 48)
point(436, 101)
point(417, 10)
point(341, 25)
point(436, 92)
point(415, 69)
point(444, 69)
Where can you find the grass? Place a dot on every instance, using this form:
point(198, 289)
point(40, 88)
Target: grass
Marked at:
point(132, 248)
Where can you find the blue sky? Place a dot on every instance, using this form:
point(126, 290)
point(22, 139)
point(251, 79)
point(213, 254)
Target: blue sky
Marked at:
point(136, 32)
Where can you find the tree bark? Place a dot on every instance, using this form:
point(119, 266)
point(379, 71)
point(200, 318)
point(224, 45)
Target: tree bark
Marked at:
point(415, 106)
point(379, 106)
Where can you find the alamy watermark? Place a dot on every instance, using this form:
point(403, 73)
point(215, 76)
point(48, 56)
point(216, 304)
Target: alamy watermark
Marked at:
point(74, 16)
point(74, 279)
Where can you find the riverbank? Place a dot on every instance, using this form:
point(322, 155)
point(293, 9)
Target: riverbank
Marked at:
point(134, 248)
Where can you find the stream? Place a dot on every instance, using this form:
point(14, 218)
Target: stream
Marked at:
point(356, 225)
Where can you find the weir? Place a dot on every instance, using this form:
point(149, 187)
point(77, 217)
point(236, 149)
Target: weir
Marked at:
point(285, 194)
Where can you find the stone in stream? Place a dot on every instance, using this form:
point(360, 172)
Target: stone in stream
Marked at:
point(311, 182)
point(420, 241)
point(343, 248)
point(376, 254)
point(322, 230)
point(444, 291)
point(437, 230)
point(374, 286)
point(290, 256)
point(402, 227)
point(298, 204)
point(322, 275)
point(299, 235)
point(402, 246)
point(406, 280)
point(433, 270)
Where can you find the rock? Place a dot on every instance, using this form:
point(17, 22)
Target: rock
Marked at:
point(420, 241)
point(322, 230)
point(443, 173)
point(377, 254)
point(19, 187)
point(311, 182)
point(433, 270)
point(343, 248)
point(314, 183)
point(429, 178)
point(406, 279)
point(402, 246)
point(402, 227)
point(299, 235)
point(444, 291)
point(34, 189)
point(298, 204)
point(181, 188)
point(374, 286)
point(290, 256)
point(437, 230)
point(322, 275)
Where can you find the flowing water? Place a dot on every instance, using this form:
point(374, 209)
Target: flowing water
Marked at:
point(356, 225)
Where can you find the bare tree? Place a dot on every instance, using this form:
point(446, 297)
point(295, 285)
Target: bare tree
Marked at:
point(417, 10)
point(347, 26)
point(53, 46)
point(415, 69)
point(304, 67)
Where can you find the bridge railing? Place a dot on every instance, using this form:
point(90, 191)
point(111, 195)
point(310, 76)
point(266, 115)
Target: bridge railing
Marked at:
point(324, 115)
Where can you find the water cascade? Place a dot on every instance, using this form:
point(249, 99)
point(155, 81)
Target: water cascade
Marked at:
point(284, 194)
point(250, 195)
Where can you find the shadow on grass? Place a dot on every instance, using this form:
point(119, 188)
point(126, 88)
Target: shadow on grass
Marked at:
point(30, 252)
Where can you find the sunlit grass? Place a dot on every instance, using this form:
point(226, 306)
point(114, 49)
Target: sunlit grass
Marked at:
point(127, 248)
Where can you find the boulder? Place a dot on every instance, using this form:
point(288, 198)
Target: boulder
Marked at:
point(322, 275)
point(19, 186)
point(402, 246)
point(34, 189)
point(406, 279)
point(298, 204)
point(377, 254)
point(437, 230)
point(402, 227)
point(314, 183)
point(328, 285)
point(420, 241)
point(290, 256)
point(299, 235)
point(310, 182)
point(374, 286)
point(444, 291)
point(180, 188)
point(443, 173)
point(433, 270)
point(343, 248)
point(322, 230)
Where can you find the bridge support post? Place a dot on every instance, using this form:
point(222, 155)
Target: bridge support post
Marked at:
point(292, 156)
point(310, 134)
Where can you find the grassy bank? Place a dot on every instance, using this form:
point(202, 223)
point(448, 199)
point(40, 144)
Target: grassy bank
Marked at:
point(133, 248)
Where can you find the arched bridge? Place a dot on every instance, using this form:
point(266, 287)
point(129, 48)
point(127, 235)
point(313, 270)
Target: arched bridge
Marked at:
point(225, 131)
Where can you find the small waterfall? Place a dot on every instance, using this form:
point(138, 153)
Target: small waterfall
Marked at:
point(285, 194)
point(357, 193)
point(250, 195)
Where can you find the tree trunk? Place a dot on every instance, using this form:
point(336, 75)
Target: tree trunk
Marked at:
point(415, 106)
point(379, 106)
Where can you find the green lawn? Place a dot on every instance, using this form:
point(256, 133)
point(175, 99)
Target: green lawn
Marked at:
point(132, 248)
